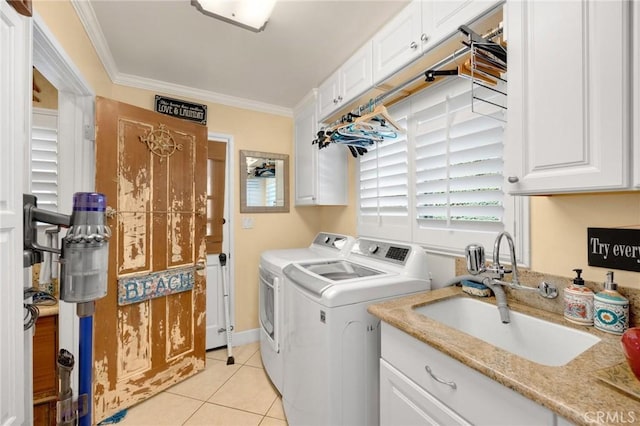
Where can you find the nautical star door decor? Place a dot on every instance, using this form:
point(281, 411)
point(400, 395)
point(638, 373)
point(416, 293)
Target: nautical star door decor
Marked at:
point(149, 331)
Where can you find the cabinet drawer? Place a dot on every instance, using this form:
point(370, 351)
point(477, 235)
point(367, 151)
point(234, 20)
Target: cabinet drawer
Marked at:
point(402, 402)
point(473, 392)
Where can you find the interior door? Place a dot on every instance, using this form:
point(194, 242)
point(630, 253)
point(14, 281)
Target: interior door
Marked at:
point(149, 329)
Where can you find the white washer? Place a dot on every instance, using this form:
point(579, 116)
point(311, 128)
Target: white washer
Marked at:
point(332, 344)
point(271, 296)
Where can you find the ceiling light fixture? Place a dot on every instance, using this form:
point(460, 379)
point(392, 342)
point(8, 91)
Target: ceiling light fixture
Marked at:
point(249, 14)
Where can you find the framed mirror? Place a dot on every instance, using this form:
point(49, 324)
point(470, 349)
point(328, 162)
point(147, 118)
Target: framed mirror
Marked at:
point(264, 182)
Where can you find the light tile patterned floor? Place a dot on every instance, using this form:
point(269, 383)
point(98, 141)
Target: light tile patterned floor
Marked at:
point(238, 394)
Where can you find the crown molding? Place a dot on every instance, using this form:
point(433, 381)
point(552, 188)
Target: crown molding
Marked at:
point(308, 98)
point(92, 27)
point(53, 62)
point(89, 21)
point(198, 94)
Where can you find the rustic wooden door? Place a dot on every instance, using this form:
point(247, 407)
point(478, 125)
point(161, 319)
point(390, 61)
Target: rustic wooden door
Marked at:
point(149, 331)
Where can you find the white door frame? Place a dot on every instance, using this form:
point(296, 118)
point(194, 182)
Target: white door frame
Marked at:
point(76, 106)
point(227, 234)
point(16, 394)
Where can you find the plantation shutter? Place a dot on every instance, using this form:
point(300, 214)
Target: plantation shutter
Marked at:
point(255, 192)
point(384, 185)
point(458, 163)
point(271, 193)
point(44, 158)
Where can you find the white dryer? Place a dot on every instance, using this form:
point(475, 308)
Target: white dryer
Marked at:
point(271, 295)
point(332, 344)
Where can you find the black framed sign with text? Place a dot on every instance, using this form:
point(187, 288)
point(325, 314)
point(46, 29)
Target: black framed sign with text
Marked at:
point(181, 109)
point(614, 248)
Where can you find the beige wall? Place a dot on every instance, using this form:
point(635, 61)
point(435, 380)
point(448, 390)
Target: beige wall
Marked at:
point(558, 223)
point(559, 231)
point(250, 130)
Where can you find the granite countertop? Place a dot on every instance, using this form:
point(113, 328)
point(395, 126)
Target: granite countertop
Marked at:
point(572, 390)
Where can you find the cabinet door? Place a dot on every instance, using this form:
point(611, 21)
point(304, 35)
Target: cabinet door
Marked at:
point(473, 391)
point(398, 43)
point(306, 155)
point(402, 402)
point(568, 124)
point(447, 16)
point(356, 75)
point(331, 175)
point(328, 95)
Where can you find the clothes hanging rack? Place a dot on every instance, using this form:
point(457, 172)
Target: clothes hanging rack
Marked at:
point(440, 64)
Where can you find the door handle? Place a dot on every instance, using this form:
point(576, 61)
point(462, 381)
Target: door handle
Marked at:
point(439, 380)
point(201, 264)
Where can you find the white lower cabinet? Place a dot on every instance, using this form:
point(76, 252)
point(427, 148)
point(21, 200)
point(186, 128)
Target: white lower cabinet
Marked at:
point(451, 394)
point(403, 402)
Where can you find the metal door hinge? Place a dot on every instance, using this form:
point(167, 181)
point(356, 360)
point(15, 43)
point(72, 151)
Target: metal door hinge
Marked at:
point(90, 132)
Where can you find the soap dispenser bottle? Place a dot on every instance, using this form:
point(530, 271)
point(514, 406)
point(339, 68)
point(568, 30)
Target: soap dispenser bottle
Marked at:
point(611, 308)
point(578, 301)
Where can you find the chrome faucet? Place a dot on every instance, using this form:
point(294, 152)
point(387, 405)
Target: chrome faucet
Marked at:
point(496, 268)
point(493, 276)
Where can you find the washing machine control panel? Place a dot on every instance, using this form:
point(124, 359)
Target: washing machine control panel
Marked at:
point(382, 250)
point(334, 241)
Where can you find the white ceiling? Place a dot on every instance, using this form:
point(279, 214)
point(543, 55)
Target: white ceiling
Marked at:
point(152, 43)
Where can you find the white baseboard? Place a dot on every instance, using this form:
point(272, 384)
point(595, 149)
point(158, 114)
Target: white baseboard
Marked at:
point(246, 337)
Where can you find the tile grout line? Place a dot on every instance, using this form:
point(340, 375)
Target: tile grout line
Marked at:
point(202, 403)
point(242, 364)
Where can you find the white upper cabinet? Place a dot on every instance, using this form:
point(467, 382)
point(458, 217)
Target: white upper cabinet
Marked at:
point(568, 96)
point(399, 41)
point(328, 95)
point(353, 78)
point(419, 27)
point(446, 16)
point(320, 174)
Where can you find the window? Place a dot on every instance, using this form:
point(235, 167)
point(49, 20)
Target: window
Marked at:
point(442, 185)
point(44, 158)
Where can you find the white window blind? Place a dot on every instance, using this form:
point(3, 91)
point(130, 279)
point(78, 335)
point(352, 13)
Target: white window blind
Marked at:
point(458, 163)
point(270, 192)
point(384, 185)
point(255, 192)
point(44, 158)
point(442, 185)
point(261, 192)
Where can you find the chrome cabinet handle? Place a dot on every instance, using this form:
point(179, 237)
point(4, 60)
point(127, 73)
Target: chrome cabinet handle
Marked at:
point(513, 179)
point(424, 38)
point(413, 45)
point(339, 98)
point(439, 380)
point(335, 101)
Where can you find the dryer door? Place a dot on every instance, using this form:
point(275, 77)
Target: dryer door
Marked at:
point(269, 307)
